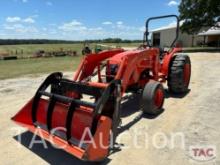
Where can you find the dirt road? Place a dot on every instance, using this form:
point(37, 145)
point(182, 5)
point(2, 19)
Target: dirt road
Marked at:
point(193, 117)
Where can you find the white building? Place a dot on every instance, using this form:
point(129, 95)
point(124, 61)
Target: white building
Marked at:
point(211, 36)
point(164, 36)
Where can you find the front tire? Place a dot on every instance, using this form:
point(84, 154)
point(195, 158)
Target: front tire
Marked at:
point(153, 98)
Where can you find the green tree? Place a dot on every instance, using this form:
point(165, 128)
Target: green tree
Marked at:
point(199, 13)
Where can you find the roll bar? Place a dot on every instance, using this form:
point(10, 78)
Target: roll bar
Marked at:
point(146, 34)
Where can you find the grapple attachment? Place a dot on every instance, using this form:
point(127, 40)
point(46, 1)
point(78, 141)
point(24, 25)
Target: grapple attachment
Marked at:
point(63, 118)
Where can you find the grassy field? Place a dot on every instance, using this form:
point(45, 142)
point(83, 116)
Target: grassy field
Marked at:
point(16, 68)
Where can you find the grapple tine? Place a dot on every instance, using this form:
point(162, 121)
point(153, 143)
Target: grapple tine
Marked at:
point(51, 79)
point(69, 118)
point(50, 110)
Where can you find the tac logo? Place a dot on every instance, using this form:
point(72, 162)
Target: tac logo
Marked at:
point(202, 153)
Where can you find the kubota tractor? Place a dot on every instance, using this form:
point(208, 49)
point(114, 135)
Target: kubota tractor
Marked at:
point(87, 108)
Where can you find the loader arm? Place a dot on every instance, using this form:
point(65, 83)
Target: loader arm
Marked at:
point(91, 61)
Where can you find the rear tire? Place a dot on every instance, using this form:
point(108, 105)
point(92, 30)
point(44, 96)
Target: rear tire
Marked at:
point(179, 74)
point(153, 98)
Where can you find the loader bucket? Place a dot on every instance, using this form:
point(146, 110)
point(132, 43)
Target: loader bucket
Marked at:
point(77, 126)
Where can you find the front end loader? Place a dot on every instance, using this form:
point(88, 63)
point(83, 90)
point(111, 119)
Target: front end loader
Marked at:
point(82, 115)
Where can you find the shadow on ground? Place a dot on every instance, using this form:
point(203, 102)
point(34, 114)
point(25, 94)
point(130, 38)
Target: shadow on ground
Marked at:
point(52, 155)
point(130, 107)
point(173, 95)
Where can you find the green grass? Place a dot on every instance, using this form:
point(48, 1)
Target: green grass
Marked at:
point(16, 68)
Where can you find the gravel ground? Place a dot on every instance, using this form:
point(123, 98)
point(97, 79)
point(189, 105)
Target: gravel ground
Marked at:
point(195, 117)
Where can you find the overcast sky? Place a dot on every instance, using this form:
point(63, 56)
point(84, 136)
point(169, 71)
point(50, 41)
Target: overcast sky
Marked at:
point(81, 19)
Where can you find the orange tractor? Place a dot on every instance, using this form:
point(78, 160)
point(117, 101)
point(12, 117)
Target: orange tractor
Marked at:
point(87, 108)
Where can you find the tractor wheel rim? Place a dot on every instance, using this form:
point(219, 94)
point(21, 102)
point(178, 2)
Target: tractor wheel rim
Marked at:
point(158, 99)
point(186, 76)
